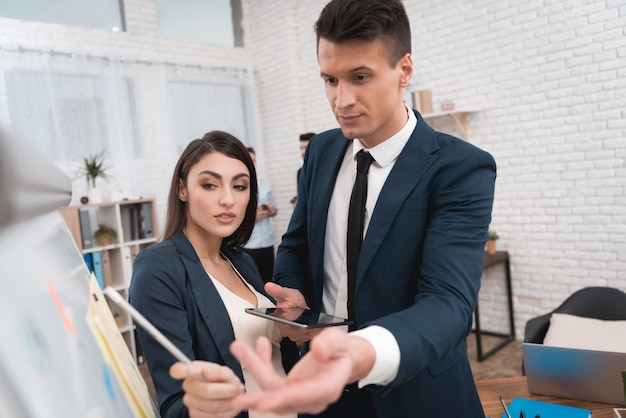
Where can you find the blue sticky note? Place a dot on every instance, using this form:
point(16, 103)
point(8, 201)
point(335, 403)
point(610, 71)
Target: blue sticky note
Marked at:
point(545, 409)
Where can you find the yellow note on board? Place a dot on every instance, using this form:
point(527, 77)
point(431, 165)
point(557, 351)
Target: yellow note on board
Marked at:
point(116, 353)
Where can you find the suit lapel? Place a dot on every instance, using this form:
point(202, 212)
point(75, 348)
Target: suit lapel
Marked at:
point(330, 157)
point(416, 157)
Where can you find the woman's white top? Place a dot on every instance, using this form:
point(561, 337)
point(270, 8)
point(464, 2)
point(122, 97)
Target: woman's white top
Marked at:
point(248, 328)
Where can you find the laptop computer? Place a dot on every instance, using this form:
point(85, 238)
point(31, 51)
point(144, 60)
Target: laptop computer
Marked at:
point(588, 375)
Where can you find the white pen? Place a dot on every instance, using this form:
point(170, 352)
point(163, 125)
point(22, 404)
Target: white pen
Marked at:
point(504, 406)
point(145, 324)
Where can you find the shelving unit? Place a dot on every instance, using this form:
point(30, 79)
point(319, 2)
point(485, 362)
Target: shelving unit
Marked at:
point(136, 226)
point(459, 116)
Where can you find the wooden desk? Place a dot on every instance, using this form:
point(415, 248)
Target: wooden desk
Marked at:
point(516, 387)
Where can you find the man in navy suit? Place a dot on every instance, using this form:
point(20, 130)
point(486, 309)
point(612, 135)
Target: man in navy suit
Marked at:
point(428, 208)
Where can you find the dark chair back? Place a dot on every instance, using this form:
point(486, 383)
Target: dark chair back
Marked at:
point(604, 303)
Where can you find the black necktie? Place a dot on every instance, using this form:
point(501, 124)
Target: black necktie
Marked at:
point(356, 221)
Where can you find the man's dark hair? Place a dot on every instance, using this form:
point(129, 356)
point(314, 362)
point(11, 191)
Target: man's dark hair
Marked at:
point(367, 20)
point(307, 136)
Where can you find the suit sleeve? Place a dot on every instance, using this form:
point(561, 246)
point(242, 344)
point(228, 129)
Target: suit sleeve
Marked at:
point(447, 273)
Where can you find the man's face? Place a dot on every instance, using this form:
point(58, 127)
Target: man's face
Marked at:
point(363, 90)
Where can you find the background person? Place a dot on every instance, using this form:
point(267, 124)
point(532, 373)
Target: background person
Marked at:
point(304, 142)
point(260, 246)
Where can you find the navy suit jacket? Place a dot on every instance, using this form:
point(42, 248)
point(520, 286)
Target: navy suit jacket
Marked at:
point(172, 290)
point(420, 265)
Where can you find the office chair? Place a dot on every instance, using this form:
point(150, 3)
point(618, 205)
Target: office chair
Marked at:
point(604, 303)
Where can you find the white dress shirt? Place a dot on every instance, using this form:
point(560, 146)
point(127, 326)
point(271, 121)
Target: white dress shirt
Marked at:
point(335, 294)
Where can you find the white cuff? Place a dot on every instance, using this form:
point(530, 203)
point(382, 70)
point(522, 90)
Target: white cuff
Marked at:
point(387, 351)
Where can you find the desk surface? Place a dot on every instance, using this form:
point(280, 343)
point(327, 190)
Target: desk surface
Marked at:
point(516, 387)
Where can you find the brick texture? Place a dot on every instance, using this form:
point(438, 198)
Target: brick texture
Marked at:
point(547, 80)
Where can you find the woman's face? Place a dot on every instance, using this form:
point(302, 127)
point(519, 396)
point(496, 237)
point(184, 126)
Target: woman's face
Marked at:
point(217, 195)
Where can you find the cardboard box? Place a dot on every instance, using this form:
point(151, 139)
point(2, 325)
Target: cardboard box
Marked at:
point(426, 101)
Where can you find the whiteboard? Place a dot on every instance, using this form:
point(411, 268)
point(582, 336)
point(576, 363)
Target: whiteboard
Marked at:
point(51, 364)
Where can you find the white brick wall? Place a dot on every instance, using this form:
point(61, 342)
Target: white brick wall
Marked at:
point(549, 81)
point(547, 77)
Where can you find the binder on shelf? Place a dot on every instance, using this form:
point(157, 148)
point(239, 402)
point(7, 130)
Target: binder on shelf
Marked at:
point(85, 229)
point(126, 263)
point(133, 253)
point(145, 221)
point(89, 261)
point(107, 274)
point(125, 215)
point(97, 268)
point(133, 223)
point(533, 408)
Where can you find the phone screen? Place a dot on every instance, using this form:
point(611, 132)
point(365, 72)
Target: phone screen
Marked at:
point(299, 317)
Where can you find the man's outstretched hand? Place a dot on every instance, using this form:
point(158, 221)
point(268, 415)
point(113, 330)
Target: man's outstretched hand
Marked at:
point(315, 382)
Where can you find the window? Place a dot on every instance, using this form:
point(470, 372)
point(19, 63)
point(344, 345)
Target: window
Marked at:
point(197, 108)
point(101, 14)
point(216, 22)
point(69, 116)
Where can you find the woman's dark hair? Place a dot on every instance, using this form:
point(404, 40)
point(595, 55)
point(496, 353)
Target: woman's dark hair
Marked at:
point(214, 141)
point(367, 20)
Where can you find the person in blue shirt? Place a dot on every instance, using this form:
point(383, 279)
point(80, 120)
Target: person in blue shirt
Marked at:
point(260, 246)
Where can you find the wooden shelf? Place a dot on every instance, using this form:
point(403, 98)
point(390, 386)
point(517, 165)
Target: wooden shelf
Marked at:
point(458, 115)
point(135, 223)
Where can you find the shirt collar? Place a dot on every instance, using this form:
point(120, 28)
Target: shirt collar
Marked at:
point(388, 151)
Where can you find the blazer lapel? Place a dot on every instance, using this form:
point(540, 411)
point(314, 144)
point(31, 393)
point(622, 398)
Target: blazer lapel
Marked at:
point(209, 303)
point(416, 157)
point(329, 160)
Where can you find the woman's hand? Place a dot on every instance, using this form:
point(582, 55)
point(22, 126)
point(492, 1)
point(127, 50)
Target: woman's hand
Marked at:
point(210, 389)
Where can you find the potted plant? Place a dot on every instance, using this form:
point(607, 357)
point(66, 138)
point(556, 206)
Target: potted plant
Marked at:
point(93, 167)
point(491, 242)
point(105, 235)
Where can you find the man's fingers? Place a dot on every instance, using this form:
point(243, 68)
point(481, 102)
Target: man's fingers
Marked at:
point(276, 291)
point(308, 396)
point(259, 364)
point(285, 296)
point(264, 350)
point(296, 334)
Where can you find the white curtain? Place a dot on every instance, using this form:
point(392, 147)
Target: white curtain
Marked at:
point(142, 114)
point(195, 104)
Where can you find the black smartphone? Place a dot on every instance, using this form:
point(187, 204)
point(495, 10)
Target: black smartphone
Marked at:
point(299, 317)
point(264, 207)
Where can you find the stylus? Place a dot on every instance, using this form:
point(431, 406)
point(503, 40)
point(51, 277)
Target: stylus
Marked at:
point(145, 324)
point(504, 406)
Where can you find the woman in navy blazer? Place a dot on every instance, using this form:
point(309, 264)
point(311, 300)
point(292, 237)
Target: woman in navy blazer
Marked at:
point(183, 284)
